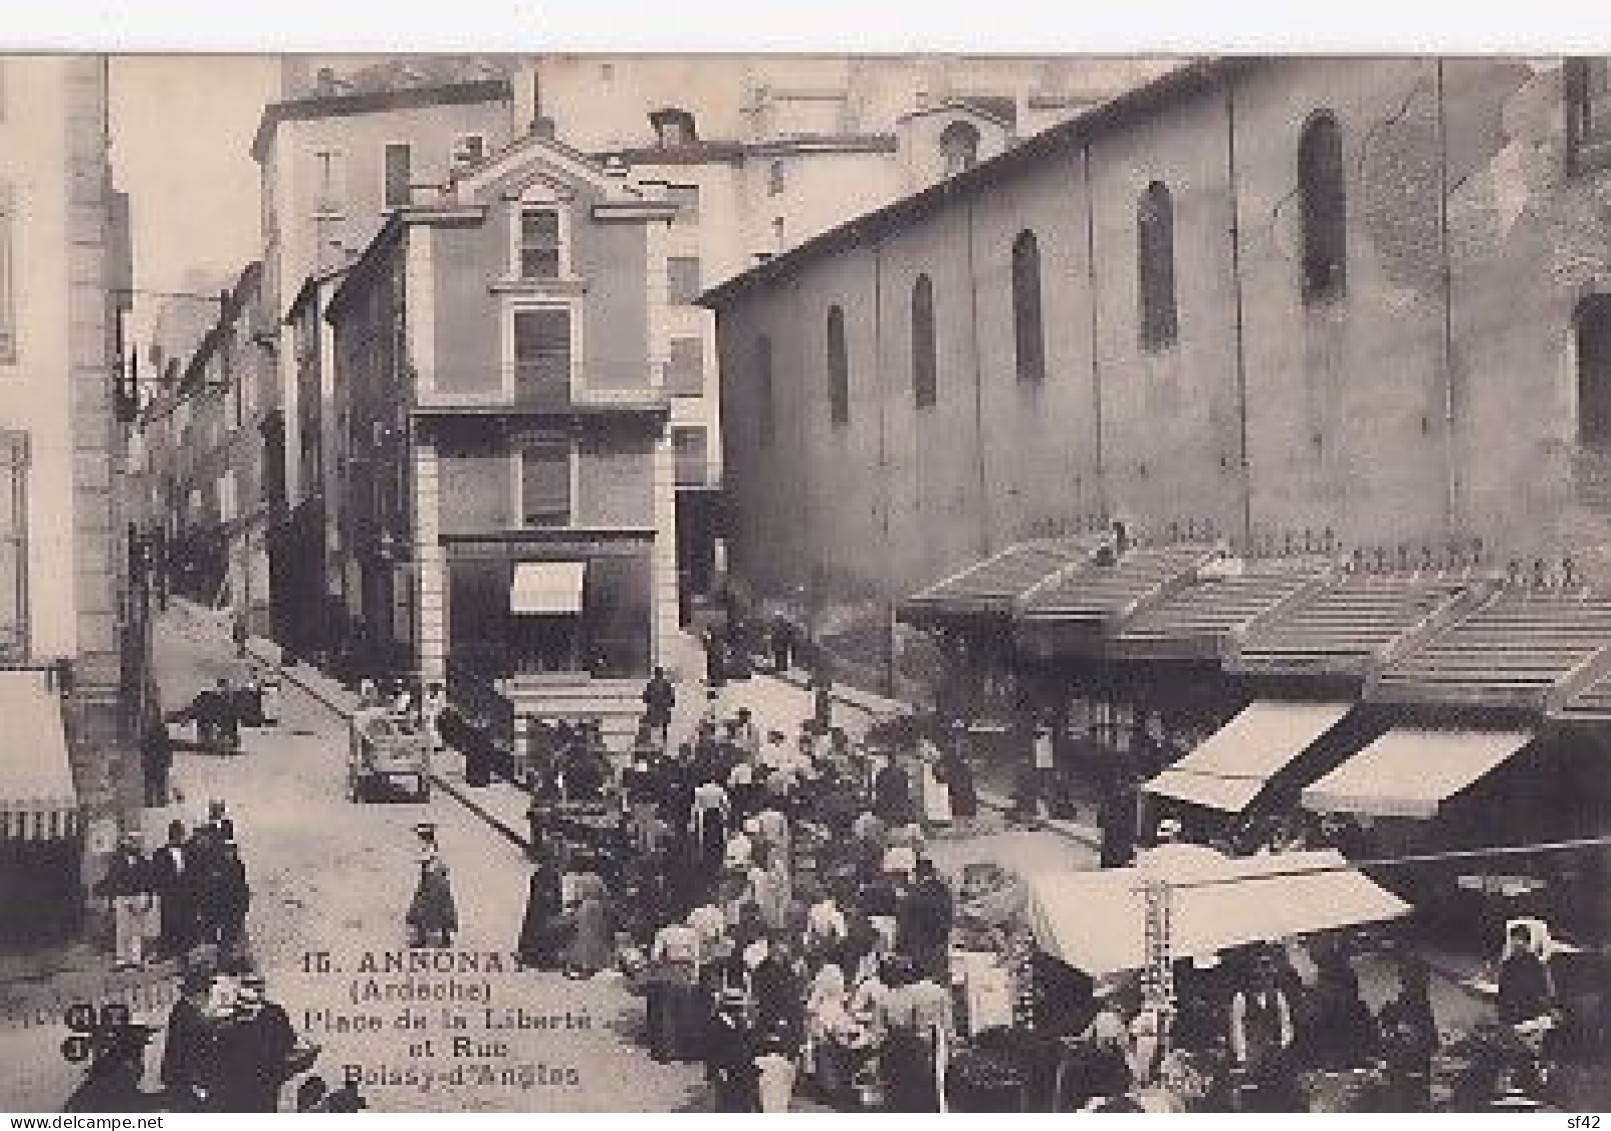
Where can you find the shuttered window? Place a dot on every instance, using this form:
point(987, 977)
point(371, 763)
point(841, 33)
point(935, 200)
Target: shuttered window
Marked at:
point(545, 482)
point(1324, 208)
point(1029, 335)
point(924, 359)
point(1155, 267)
point(8, 275)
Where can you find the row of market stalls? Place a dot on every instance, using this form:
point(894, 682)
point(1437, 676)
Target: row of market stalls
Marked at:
point(1427, 711)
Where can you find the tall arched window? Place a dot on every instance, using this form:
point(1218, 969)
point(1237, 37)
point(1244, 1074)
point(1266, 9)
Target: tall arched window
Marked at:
point(1155, 267)
point(838, 368)
point(1324, 208)
point(925, 362)
point(1028, 334)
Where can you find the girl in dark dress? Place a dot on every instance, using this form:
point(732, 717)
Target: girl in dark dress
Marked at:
point(432, 915)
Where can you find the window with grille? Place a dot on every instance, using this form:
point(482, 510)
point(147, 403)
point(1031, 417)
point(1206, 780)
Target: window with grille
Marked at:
point(1029, 337)
point(399, 173)
point(838, 368)
point(682, 279)
point(1155, 267)
point(540, 244)
point(545, 482)
point(685, 372)
point(1322, 196)
point(13, 545)
point(688, 448)
point(765, 394)
point(542, 348)
point(925, 361)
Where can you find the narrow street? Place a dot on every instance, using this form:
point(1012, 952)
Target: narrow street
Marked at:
point(332, 877)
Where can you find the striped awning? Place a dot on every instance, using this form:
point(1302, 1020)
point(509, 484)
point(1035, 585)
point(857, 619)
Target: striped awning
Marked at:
point(37, 798)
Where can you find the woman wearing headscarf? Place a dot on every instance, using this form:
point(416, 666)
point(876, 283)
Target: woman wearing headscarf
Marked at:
point(828, 1030)
point(591, 943)
point(676, 1011)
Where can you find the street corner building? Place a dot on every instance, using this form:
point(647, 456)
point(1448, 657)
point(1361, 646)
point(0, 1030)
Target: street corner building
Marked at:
point(72, 673)
point(508, 510)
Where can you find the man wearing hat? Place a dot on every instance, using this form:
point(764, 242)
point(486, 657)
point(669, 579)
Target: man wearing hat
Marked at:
point(254, 1051)
point(189, 1056)
point(127, 884)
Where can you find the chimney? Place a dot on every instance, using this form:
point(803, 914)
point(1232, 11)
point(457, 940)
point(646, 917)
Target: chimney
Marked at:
point(541, 124)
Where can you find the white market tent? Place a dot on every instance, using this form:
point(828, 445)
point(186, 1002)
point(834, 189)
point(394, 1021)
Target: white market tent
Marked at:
point(1095, 921)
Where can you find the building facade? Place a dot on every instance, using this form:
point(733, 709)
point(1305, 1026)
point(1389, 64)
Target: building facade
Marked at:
point(504, 466)
point(761, 154)
point(214, 443)
point(1348, 303)
point(338, 155)
point(70, 777)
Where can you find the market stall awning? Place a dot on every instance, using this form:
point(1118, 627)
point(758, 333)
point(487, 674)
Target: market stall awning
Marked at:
point(993, 587)
point(1096, 921)
point(547, 587)
point(37, 797)
point(1228, 771)
point(1409, 772)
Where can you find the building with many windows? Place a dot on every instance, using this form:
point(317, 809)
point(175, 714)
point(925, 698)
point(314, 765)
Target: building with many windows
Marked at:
point(338, 155)
point(70, 668)
point(1351, 304)
point(503, 459)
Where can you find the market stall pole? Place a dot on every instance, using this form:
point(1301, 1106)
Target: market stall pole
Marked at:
point(1158, 976)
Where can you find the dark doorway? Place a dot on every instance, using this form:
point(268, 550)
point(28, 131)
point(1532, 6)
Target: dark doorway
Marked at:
point(1593, 325)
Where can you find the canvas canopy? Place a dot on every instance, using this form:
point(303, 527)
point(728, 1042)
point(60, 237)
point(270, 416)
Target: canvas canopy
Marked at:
point(1410, 772)
point(1095, 921)
point(1228, 770)
point(38, 800)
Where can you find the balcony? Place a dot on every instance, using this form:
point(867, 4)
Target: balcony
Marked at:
point(538, 394)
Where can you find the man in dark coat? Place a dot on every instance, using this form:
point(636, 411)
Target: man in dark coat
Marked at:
point(174, 880)
point(924, 919)
point(189, 1054)
point(782, 639)
point(232, 897)
point(254, 1050)
point(542, 929)
point(730, 1056)
point(659, 698)
point(156, 760)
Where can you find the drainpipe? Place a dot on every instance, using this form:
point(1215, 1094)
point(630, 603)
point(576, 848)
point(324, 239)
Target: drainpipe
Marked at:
point(1451, 455)
point(886, 493)
point(1236, 291)
point(1096, 363)
point(978, 393)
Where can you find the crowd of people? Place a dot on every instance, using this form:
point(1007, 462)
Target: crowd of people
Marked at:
point(772, 893)
point(192, 889)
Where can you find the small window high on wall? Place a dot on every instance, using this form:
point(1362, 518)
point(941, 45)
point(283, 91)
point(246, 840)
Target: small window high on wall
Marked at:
point(1324, 208)
point(959, 144)
point(838, 368)
point(1593, 329)
point(1155, 267)
point(1029, 335)
point(925, 360)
